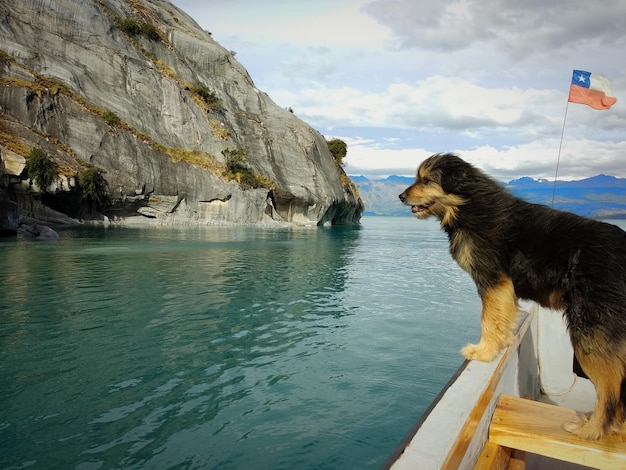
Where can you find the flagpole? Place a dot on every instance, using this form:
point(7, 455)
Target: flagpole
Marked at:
point(558, 159)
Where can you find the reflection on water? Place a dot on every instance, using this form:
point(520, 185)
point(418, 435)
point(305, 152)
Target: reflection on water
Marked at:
point(223, 347)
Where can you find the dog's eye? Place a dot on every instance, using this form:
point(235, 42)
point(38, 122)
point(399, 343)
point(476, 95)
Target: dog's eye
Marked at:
point(426, 180)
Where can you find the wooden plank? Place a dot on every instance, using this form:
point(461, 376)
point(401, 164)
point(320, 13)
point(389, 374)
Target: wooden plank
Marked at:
point(536, 427)
point(518, 460)
point(493, 457)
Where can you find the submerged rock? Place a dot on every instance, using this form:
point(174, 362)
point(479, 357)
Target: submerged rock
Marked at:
point(36, 232)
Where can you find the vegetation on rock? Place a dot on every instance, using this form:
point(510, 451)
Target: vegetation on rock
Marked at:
point(238, 169)
point(40, 168)
point(207, 96)
point(111, 118)
point(94, 186)
point(132, 27)
point(338, 149)
point(219, 130)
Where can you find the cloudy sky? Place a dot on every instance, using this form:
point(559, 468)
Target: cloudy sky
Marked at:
point(398, 80)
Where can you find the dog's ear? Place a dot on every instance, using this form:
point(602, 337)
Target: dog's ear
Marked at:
point(453, 179)
point(454, 174)
point(448, 182)
point(449, 171)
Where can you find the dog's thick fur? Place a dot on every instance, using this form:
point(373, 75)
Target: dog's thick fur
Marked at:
point(514, 249)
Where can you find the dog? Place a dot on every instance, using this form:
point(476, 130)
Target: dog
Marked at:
point(514, 250)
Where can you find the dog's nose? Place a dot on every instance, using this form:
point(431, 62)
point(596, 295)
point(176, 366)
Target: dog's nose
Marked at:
point(402, 197)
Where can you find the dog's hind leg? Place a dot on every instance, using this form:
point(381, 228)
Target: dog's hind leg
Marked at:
point(498, 321)
point(606, 369)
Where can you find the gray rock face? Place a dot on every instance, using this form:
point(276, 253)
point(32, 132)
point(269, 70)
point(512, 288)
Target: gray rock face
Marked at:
point(9, 217)
point(155, 112)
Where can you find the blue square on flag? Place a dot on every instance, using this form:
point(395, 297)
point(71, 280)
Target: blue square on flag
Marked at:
point(581, 78)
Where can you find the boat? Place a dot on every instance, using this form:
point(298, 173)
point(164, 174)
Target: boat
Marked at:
point(508, 413)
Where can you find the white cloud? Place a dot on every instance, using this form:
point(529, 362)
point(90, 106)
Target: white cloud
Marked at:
point(329, 26)
point(452, 104)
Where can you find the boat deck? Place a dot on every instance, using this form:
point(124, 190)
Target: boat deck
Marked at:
point(581, 396)
point(535, 429)
point(456, 430)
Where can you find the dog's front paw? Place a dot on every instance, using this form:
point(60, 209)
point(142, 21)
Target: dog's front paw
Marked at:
point(480, 352)
point(572, 426)
point(584, 429)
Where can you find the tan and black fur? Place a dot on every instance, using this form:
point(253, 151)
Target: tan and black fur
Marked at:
point(514, 249)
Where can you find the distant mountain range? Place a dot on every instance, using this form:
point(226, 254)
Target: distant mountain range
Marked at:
point(601, 197)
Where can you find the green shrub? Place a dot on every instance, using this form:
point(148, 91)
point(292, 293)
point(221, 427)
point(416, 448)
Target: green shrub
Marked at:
point(111, 118)
point(133, 28)
point(235, 160)
point(250, 180)
point(237, 169)
point(93, 185)
point(130, 26)
point(338, 149)
point(40, 168)
point(150, 31)
point(205, 94)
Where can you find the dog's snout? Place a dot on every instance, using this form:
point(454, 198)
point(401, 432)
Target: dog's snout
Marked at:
point(402, 197)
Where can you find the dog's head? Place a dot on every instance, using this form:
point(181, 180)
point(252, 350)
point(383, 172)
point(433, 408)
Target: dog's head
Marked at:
point(439, 187)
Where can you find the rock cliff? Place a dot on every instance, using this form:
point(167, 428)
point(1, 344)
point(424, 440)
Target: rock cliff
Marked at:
point(136, 91)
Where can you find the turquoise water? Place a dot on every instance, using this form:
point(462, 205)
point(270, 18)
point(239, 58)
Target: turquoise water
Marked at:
point(229, 348)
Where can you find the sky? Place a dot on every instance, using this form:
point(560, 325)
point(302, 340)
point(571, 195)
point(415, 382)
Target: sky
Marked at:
point(399, 80)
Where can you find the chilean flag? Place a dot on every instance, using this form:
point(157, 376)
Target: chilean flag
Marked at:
point(591, 89)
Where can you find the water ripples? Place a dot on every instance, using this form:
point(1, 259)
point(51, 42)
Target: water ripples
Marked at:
point(196, 348)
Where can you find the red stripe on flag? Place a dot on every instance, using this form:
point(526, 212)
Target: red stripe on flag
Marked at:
point(594, 98)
